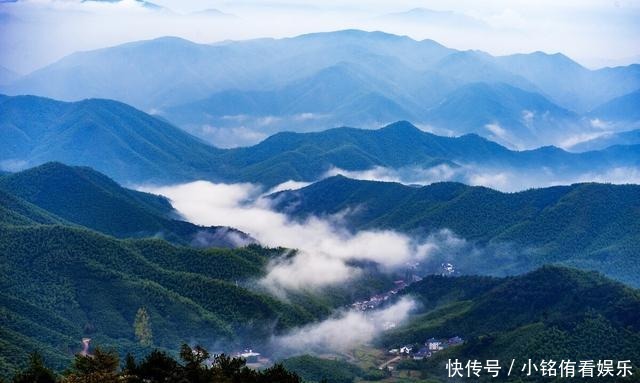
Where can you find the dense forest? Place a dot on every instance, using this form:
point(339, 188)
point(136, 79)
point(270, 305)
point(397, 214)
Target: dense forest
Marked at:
point(84, 197)
point(61, 281)
point(551, 313)
point(60, 284)
point(591, 226)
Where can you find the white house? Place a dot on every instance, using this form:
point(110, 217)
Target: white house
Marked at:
point(434, 345)
point(406, 350)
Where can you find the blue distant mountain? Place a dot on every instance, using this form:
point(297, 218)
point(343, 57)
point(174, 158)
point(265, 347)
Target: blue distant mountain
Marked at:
point(109, 136)
point(631, 137)
point(238, 92)
point(7, 76)
point(134, 147)
point(505, 114)
point(623, 108)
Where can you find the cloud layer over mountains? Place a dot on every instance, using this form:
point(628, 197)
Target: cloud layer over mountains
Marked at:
point(327, 253)
point(503, 179)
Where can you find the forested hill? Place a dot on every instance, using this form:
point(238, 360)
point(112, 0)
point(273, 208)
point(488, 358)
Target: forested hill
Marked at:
point(15, 211)
point(131, 146)
point(308, 156)
point(87, 198)
point(552, 313)
point(60, 284)
point(111, 137)
point(588, 225)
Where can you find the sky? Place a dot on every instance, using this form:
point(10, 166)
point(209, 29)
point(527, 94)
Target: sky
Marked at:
point(596, 33)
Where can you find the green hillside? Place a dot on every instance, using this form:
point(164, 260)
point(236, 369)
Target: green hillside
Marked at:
point(551, 313)
point(131, 146)
point(313, 369)
point(61, 283)
point(15, 211)
point(592, 226)
point(87, 198)
point(111, 137)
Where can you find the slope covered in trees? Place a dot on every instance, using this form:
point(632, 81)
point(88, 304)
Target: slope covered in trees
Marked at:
point(111, 137)
point(87, 198)
point(60, 284)
point(551, 313)
point(594, 226)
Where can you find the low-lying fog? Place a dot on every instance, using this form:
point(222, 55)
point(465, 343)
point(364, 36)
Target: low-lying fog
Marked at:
point(328, 254)
point(506, 180)
point(326, 249)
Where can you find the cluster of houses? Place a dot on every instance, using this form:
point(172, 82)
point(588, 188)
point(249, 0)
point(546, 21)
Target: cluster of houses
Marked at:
point(430, 347)
point(378, 299)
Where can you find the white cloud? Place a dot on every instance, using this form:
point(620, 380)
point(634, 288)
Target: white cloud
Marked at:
point(496, 130)
point(326, 250)
point(345, 331)
point(288, 185)
point(13, 165)
point(599, 124)
point(503, 179)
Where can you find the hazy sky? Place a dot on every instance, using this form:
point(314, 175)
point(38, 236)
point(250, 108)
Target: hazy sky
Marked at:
point(34, 33)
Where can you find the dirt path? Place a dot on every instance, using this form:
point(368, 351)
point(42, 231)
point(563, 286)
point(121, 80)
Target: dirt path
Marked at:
point(388, 362)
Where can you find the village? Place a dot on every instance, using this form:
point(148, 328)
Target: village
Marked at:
point(417, 351)
point(426, 350)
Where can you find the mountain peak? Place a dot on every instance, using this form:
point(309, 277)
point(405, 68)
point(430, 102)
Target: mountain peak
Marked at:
point(401, 126)
point(356, 34)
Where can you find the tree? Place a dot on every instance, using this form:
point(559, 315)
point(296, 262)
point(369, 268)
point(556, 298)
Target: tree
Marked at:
point(142, 327)
point(158, 366)
point(194, 368)
point(36, 372)
point(101, 367)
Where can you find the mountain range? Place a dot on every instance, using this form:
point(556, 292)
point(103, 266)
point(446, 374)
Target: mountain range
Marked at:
point(84, 197)
point(238, 92)
point(592, 226)
point(133, 147)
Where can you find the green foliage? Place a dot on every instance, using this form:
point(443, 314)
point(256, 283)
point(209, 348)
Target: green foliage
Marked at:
point(15, 211)
point(314, 369)
point(101, 366)
point(590, 226)
point(84, 197)
point(60, 284)
point(36, 372)
point(197, 367)
point(553, 312)
point(142, 327)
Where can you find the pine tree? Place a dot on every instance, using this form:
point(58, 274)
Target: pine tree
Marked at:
point(36, 372)
point(142, 327)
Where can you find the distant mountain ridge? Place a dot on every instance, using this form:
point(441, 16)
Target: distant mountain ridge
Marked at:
point(106, 135)
point(236, 92)
point(135, 148)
